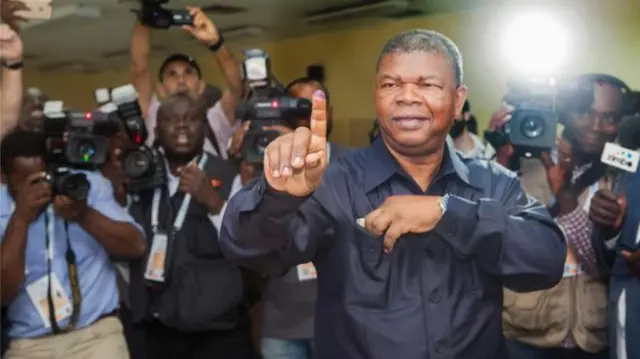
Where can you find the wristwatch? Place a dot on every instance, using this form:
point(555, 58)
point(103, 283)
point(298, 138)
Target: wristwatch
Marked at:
point(15, 65)
point(444, 200)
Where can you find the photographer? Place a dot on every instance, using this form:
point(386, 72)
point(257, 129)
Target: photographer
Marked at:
point(66, 301)
point(180, 73)
point(188, 298)
point(569, 320)
point(288, 303)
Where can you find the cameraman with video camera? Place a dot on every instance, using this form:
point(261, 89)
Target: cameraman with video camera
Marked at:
point(59, 233)
point(570, 320)
point(180, 73)
point(188, 298)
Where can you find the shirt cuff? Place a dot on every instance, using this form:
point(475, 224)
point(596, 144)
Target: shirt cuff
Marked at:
point(457, 223)
point(276, 203)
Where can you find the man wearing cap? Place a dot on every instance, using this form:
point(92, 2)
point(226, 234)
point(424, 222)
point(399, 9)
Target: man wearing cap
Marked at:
point(180, 73)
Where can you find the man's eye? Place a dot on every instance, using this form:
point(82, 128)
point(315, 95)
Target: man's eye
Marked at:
point(388, 85)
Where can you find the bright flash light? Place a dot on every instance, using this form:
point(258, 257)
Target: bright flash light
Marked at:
point(535, 45)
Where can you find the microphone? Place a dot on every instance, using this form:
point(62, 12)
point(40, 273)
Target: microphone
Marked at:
point(623, 157)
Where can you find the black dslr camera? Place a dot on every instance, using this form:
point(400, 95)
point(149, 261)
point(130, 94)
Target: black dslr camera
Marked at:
point(267, 104)
point(74, 140)
point(144, 166)
point(533, 125)
point(152, 14)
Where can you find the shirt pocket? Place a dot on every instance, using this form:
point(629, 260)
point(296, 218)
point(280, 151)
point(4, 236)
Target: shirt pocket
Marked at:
point(370, 249)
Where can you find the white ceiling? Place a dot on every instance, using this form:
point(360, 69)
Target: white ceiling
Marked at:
point(90, 44)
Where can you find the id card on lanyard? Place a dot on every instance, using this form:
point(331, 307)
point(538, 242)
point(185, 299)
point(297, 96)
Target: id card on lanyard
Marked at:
point(47, 294)
point(156, 263)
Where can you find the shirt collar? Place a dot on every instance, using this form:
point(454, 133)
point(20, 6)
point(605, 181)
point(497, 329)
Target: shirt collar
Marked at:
point(380, 165)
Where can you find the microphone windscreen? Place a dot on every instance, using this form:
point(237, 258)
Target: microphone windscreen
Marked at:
point(629, 132)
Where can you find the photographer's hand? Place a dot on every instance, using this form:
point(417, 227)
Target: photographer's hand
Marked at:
point(203, 28)
point(70, 210)
point(195, 182)
point(559, 176)
point(236, 140)
point(32, 197)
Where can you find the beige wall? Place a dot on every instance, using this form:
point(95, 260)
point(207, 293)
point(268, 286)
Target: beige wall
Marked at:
point(606, 38)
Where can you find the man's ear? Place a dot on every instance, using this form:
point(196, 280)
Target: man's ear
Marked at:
point(461, 97)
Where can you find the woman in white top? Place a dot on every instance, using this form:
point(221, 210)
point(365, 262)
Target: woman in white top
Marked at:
point(465, 139)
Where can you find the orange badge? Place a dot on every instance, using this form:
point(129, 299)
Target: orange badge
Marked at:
point(215, 183)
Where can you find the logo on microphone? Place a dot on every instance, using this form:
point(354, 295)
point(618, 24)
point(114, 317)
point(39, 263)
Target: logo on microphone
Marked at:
point(620, 157)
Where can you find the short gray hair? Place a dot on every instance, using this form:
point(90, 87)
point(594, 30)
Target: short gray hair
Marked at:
point(428, 42)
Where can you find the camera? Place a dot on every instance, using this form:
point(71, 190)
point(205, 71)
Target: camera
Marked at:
point(64, 182)
point(144, 166)
point(266, 105)
point(152, 14)
point(533, 125)
point(74, 140)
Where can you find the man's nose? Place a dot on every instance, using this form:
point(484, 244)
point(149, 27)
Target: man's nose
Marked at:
point(409, 95)
point(598, 124)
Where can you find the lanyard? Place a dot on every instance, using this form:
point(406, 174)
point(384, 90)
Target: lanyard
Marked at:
point(72, 269)
point(182, 212)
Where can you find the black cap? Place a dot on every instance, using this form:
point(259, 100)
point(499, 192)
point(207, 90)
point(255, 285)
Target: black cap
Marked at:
point(178, 58)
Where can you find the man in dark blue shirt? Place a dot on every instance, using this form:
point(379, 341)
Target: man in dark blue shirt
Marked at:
point(411, 243)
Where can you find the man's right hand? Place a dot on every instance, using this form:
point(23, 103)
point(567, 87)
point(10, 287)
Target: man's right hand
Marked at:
point(32, 197)
point(294, 163)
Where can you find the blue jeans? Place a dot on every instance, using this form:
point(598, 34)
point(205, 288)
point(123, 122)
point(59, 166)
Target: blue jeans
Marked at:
point(517, 350)
point(286, 349)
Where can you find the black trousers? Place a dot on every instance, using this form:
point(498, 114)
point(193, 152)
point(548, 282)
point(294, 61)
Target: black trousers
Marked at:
point(133, 333)
point(167, 343)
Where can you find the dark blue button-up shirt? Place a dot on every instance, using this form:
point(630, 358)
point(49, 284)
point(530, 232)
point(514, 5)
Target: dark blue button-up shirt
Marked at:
point(437, 294)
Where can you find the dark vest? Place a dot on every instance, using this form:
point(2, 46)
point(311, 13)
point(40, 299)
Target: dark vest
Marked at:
point(202, 290)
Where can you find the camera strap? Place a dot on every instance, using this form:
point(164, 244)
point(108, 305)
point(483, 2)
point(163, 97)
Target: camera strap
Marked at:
point(72, 268)
point(184, 206)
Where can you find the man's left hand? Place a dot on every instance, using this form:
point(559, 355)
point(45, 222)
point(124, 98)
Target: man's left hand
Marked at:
point(203, 28)
point(607, 211)
point(195, 182)
point(633, 261)
point(400, 215)
point(70, 210)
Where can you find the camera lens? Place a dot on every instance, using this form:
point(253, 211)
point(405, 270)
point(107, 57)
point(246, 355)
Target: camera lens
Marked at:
point(136, 163)
point(75, 186)
point(86, 150)
point(532, 126)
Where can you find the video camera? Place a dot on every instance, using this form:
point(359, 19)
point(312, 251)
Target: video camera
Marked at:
point(74, 140)
point(267, 104)
point(152, 14)
point(144, 166)
point(533, 125)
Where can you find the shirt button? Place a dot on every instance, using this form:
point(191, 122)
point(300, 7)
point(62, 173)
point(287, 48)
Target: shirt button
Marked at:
point(434, 296)
point(428, 252)
point(372, 249)
point(440, 348)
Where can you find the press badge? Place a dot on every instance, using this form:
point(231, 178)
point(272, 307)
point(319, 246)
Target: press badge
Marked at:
point(306, 271)
point(157, 256)
point(37, 292)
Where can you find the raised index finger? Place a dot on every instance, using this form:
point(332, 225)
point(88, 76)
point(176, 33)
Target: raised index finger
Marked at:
point(319, 114)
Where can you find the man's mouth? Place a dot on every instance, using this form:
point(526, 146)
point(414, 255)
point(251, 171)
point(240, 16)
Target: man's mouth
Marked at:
point(411, 122)
point(182, 139)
